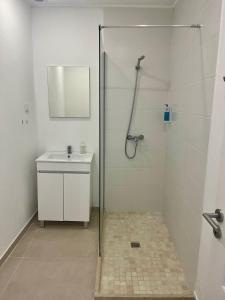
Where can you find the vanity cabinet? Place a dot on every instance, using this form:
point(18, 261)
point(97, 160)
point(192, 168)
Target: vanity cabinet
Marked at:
point(64, 190)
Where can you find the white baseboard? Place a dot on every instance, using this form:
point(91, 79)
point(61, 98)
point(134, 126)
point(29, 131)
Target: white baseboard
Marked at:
point(15, 240)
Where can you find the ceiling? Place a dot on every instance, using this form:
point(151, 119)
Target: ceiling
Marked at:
point(106, 3)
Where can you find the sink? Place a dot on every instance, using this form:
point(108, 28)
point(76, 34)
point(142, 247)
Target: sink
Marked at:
point(63, 157)
point(74, 157)
point(58, 161)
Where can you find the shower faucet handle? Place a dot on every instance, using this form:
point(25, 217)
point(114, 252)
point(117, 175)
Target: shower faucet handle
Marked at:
point(135, 138)
point(141, 137)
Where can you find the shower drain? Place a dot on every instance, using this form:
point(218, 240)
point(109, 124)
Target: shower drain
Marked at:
point(135, 244)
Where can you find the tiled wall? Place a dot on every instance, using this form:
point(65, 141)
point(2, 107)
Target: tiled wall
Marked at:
point(136, 185)
point(169, 171)
point(192, 68)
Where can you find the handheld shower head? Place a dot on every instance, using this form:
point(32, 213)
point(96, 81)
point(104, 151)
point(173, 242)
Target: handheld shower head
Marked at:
point(141, 57)
point(139, 62)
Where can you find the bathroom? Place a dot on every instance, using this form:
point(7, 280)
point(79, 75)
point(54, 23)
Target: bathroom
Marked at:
point(119, 195)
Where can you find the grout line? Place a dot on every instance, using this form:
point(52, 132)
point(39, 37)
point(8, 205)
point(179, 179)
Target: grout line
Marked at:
point(11, 276)
point(29, 242)
point(18, 238)
point(21, 259)
point(109, 256)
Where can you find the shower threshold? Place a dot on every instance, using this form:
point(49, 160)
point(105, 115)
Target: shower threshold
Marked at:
point(151, 271)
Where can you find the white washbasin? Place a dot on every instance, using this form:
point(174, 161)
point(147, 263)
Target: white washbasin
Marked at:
point(63, 157)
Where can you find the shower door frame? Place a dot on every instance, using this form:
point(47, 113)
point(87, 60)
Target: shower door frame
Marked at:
point(102, 97)
point(102, 62)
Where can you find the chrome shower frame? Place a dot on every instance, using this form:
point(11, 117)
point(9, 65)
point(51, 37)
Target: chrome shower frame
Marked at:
point(193, 26)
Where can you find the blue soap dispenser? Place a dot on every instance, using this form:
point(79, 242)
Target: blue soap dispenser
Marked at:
point(167, 114)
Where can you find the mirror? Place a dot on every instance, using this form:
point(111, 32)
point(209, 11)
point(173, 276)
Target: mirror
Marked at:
point(68, 92)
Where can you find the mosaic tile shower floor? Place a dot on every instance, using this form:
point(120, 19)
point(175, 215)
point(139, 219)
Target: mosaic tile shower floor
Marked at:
point(152, 269)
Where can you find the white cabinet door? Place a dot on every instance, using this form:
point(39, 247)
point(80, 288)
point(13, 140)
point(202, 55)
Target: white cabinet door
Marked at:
point(77, 197)
point(50, 196)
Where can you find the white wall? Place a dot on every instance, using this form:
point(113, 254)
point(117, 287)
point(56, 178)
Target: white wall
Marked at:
point(18, 141)
point(211, 255)
point(66, 36)
point(136, 185)
point(193, 66)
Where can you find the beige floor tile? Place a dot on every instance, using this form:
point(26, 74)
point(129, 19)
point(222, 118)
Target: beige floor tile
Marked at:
point(21, 247)
point(52, 280)
point(62, 244)
point(7, 269)
point(152, 269)
point(58, 240)
point(55, 262)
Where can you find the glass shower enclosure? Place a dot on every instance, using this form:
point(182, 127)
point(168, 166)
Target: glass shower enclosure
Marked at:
point(138, 256)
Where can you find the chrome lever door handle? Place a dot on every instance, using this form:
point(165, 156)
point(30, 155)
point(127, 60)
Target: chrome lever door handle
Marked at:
point(219, 216)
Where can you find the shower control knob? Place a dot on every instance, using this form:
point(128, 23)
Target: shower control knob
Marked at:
point(141, 137)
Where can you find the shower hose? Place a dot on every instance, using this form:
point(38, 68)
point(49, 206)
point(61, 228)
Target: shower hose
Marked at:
point(130, 121)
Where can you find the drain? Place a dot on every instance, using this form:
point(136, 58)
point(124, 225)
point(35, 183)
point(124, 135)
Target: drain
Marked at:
point(135, 244)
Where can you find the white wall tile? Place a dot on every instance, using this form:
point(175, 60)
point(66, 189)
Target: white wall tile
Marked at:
point(192, 66)
point(134, 198)
point(136, 185)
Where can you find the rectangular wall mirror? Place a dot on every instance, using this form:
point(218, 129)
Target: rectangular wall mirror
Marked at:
point(68, 92)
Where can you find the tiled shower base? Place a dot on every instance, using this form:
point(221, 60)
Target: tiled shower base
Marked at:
point(151, 271)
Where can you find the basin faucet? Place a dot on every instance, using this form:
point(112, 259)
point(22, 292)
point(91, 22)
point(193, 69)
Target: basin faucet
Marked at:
point(69, 151)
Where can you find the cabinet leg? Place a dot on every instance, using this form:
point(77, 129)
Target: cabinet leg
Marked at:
point(42, 224)
point(85, 224)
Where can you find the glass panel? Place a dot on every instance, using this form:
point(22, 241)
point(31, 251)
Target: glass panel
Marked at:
point(102, 57)
point(136, 138)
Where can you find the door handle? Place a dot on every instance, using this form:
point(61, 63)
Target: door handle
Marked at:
point(219, 216)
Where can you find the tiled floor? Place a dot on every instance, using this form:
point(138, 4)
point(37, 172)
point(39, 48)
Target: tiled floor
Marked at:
point(53, 263)
point(152, 269)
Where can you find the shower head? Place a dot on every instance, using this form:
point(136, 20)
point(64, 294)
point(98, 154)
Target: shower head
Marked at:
point(139, 62)
point(141, 57)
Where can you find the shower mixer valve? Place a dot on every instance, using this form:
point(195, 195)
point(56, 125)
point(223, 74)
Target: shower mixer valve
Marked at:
point(135, 138)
